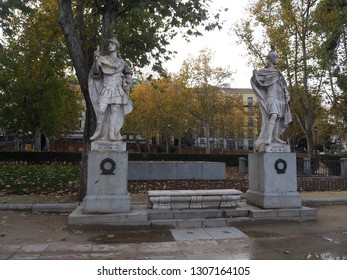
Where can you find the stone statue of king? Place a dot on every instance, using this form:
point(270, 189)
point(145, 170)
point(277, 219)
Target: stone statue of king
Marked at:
point(110, 82)
point(273, 97)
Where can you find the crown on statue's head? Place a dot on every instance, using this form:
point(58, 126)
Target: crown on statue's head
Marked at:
point(113, 39)
point(272, 53)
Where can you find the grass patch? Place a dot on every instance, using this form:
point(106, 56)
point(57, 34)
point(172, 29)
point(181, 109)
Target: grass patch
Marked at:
point(39, 178)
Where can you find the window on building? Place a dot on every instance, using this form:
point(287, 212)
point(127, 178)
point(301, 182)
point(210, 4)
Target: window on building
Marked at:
point(250, 101)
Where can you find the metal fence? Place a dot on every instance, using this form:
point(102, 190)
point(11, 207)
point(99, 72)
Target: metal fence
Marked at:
point(318, 167)
point(307, 167)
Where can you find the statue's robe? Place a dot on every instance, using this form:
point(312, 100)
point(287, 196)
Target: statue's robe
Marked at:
point(107, 87)
point(273, 95)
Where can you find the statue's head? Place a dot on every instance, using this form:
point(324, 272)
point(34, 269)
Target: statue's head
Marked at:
point(272, 56)
point(113, 44)
point(114, 40)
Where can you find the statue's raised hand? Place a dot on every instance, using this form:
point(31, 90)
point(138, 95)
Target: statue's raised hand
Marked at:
point(97, 53)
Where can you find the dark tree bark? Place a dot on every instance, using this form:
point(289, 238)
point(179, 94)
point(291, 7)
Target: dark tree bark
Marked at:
point(108, 20)
point(81, 65)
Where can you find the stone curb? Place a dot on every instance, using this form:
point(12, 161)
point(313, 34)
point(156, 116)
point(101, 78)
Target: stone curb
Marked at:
point(69, 207)
point(57, 207)
point(324, 201)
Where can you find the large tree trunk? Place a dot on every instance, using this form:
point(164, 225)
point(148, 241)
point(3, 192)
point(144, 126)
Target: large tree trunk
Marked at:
point(108, 21)
point(37, 138)
point(80, 63)
point(207, 136)
point(86, 148)
point(74, 44)
point(310, 144)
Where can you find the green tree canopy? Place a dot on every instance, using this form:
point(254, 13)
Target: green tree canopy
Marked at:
point(37, 95)
point(204, 82)
point(10, 9)
point(302, 40)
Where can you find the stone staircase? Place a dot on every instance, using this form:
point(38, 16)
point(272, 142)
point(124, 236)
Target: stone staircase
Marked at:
point(141, 216)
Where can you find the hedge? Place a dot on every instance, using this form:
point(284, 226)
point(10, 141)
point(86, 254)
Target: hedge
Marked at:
point(229, 159)
point(39, 157)
point(75, 158)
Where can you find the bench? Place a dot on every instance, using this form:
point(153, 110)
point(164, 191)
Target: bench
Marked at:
point(193, 199)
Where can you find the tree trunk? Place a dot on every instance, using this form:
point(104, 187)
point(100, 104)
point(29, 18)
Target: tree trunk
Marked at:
point(207, 135)
point(80, 63)
point(84, 164)
point(74, 45)
point(108, 22)
point(309, 139)
point(17, 148)
point(37, 138)
point(180, 145)
point(137, 144)
point(167, 145)
point(148, 146)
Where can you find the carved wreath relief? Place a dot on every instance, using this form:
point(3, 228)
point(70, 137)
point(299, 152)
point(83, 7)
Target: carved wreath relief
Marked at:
point(107, 166)
point(280, 166)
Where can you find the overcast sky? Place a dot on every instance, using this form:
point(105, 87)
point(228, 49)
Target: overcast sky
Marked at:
point(222, 43)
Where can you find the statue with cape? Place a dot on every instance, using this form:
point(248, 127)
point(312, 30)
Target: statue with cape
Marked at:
point(110, 82)
point(273, 97)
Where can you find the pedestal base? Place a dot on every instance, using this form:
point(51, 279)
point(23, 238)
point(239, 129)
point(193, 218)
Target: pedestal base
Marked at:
point(107, 183)
point(106, 204)
point(273, 200)
point(273, 181)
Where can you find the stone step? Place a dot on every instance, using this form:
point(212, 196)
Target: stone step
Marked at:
point(190, 218)
point(186, 214)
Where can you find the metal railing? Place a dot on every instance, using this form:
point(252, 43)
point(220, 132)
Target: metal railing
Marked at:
point(306, 167)
point(318, 167)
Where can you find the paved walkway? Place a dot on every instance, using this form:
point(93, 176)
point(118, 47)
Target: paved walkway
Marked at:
point(45, 235)
point(327, 246)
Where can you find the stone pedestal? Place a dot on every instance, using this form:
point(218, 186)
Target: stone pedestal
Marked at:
point(107, 179)
point(273, 180)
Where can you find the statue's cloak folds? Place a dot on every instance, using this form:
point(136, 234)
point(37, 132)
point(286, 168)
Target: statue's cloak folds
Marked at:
point(264, 81)
point(95, 87)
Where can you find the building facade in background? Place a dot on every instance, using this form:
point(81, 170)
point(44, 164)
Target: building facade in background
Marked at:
point(250, 130)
